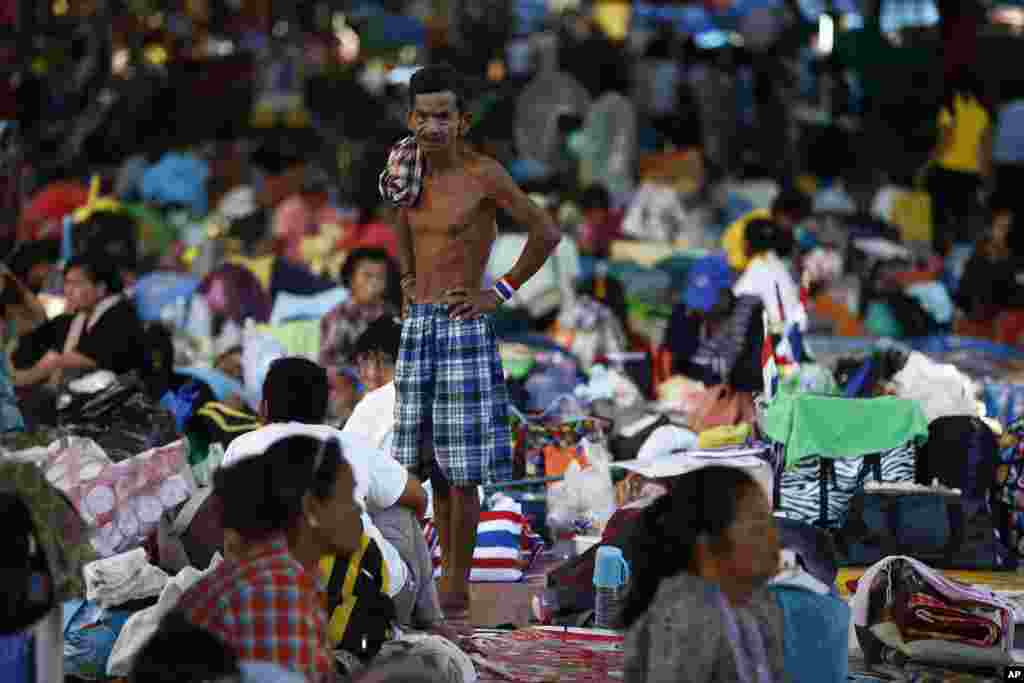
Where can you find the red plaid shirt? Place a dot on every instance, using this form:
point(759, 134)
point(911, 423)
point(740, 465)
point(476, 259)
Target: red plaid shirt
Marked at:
point(268, 608)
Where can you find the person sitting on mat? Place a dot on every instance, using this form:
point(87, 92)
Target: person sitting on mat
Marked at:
point(700, 559)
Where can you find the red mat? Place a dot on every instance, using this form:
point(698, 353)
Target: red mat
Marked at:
point(543, 654)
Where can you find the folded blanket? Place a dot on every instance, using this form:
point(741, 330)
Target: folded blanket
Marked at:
point(401, 181)
point(929, 618)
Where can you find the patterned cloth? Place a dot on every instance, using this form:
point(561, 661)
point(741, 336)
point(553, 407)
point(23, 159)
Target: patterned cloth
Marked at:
point(801, 484)
point(59, 527)
point(1010, 484)
point(124, 501)
point(11, 419)
point(449, 375)
point(268, 608)
point(401, 181)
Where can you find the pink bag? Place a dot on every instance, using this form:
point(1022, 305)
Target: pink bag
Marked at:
point(723, 406)
point(124, 501)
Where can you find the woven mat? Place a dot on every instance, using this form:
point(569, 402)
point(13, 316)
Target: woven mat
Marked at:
point(544, 654)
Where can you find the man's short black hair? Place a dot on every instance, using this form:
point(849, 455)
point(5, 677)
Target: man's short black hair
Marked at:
point(262, 495)
point(762, 235)
point(315, 180)
point(160, 659)
point(792, 203)
point(377, 254)
point(384, 335)
point(595, 197)
point(438, 78)
point(296, 390)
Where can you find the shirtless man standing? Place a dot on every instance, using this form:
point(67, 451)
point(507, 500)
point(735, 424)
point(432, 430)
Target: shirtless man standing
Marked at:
point(451, 417)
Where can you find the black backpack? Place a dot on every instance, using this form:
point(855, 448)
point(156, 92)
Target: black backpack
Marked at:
point(158, 361)
point(360, 613)
point(962, 453)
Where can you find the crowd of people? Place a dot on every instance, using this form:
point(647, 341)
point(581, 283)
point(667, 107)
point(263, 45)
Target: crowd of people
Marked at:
point(400, 407)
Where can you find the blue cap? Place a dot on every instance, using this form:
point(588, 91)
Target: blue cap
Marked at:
point(707, 279)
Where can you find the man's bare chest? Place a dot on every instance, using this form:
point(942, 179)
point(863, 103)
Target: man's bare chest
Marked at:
point(451, 205)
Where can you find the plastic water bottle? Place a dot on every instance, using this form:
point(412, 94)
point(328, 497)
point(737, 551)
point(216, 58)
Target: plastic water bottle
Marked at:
point(611, 577)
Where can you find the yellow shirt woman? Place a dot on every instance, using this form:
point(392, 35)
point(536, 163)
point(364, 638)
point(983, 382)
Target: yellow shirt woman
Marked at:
point(964, 132)
point(734, 240)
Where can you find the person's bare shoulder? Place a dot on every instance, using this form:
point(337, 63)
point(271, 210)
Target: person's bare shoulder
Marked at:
point(488, 170)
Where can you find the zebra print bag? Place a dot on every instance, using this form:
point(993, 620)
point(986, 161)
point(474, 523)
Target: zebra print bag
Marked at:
point(818, 490)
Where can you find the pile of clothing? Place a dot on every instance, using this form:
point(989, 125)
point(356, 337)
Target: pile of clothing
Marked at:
point(904, 610)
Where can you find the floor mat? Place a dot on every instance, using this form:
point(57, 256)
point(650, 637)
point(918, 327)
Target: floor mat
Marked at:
point(543, 654)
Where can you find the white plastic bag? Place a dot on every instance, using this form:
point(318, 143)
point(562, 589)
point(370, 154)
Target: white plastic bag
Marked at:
point(941, 390)
point(609, 385)
point(585, 499)
point(200, 319)
point(141, 626)
point(258, 352)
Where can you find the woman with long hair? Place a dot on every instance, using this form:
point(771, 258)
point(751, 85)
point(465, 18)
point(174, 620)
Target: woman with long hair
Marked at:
point(696, 609)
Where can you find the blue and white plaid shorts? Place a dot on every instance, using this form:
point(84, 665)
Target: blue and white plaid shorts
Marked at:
point(451, 389)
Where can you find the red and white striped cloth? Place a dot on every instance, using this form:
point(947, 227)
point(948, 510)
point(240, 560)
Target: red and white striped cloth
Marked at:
point(503, 539)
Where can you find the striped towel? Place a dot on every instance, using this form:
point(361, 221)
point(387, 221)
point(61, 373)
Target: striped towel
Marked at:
point(401, 181)
point(502, 536)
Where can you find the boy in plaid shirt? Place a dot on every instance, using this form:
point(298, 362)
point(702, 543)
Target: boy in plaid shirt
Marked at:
point(263, 601)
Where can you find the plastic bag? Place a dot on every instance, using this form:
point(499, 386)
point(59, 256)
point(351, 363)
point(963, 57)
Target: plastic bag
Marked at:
point(941, 390)
point(585, 499)
point(140, 627)
point(258, 352)
point(89, 636)
point(162, 290)
point(199, 322)
point(610, 385)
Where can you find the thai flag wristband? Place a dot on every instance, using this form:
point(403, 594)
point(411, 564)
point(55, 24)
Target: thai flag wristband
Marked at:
point(504, 289)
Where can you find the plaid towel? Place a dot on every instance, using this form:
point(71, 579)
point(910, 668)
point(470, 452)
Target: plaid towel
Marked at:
point(401, 181)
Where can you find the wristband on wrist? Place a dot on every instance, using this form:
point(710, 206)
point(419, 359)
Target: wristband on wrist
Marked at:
point(504, 290)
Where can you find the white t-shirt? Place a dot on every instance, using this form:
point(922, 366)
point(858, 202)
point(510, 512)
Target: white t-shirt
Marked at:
point(373, 418)
point(769, 278)
point(380, 480)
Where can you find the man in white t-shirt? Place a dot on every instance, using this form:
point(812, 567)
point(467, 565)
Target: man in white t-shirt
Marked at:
point(373, 418)
point(375, 352)
point(296, 390)
point(769, 277)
